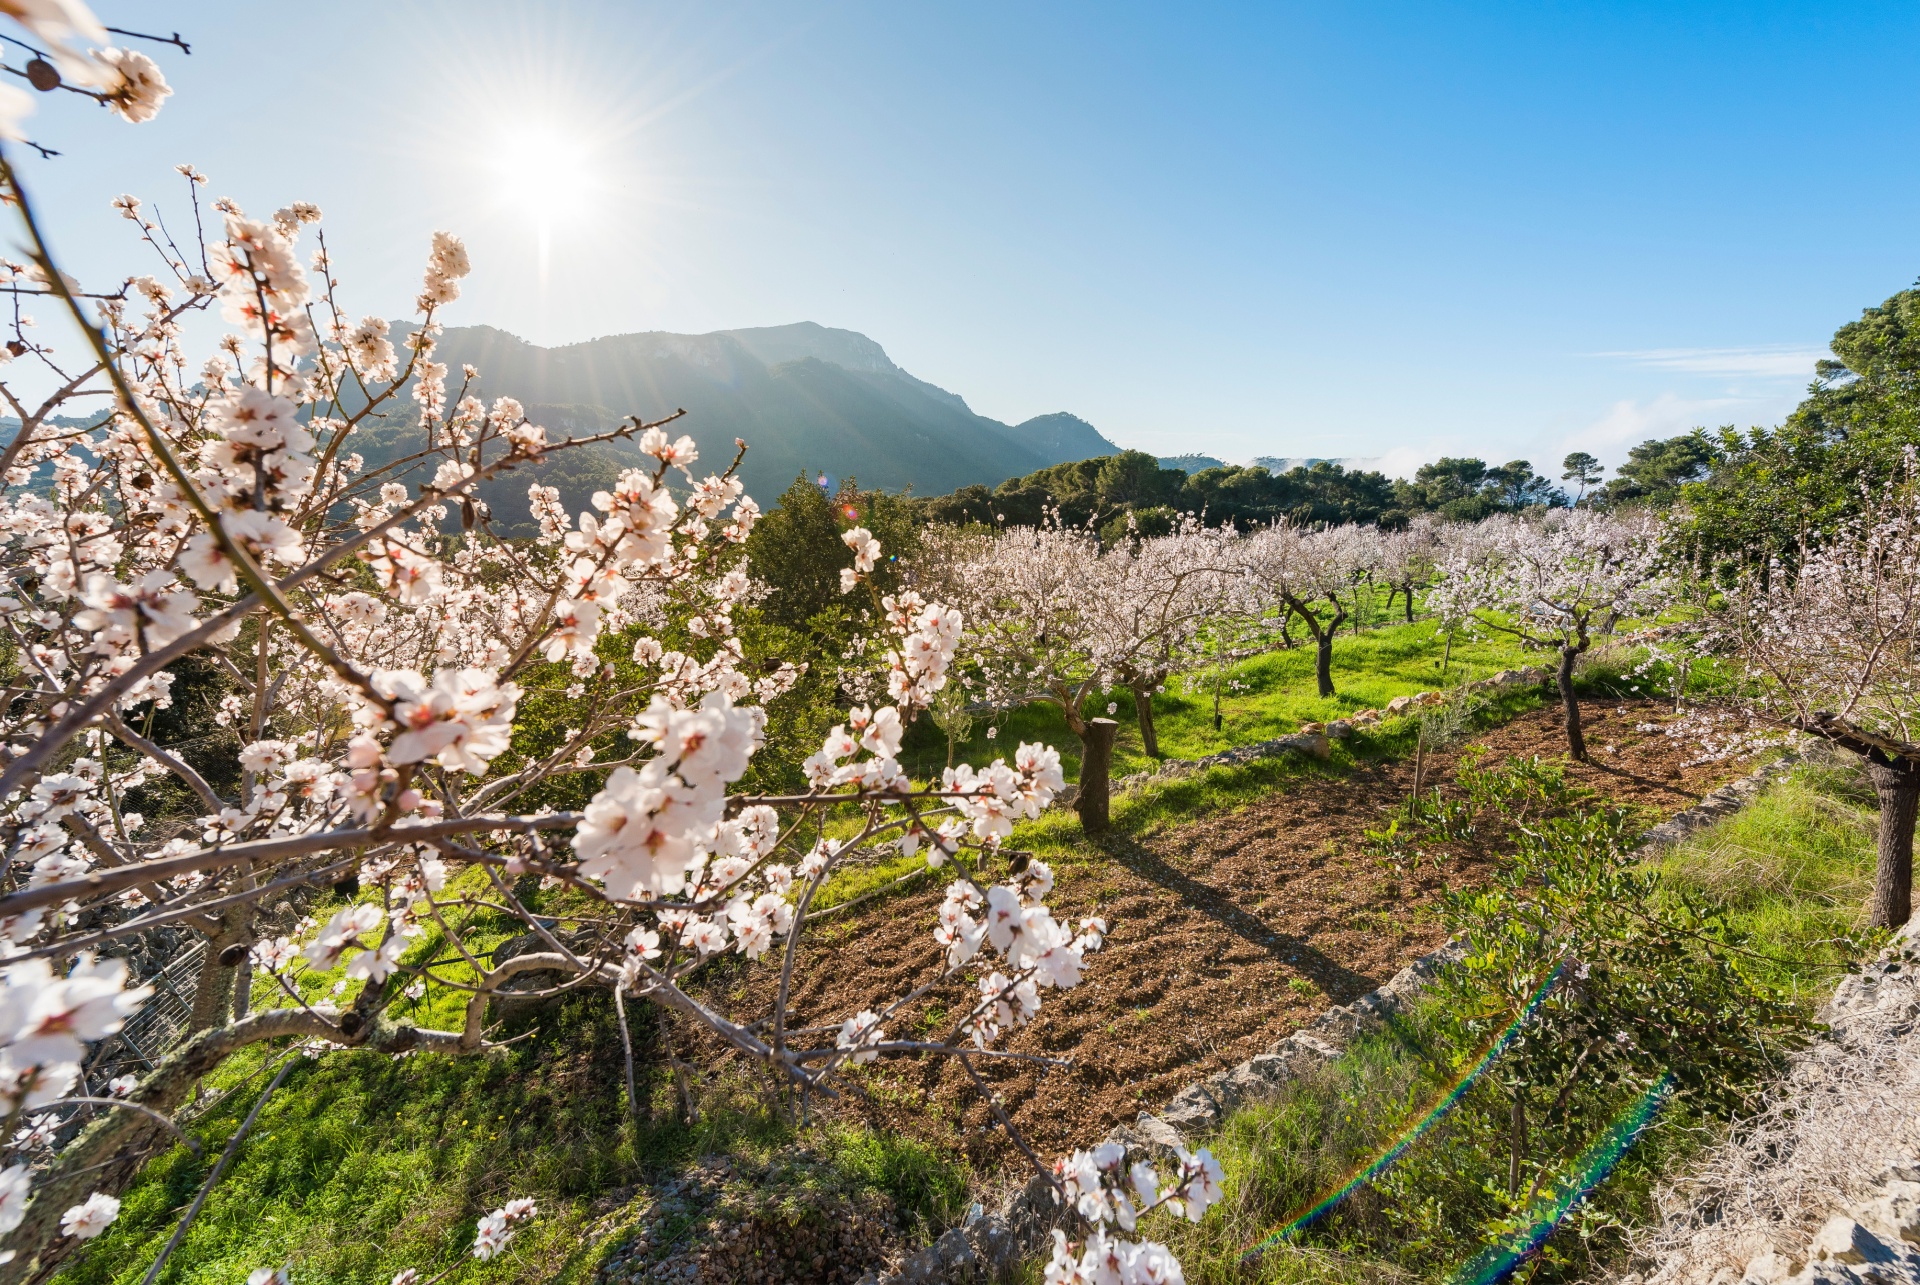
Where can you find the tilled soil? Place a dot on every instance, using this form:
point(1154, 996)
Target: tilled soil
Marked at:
point(1225, 935)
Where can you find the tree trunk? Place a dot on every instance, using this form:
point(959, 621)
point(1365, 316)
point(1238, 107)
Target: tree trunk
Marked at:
point(213, 989)
point(1570, 705)
point(1898, 784)
point(1409, 603)
point(242, 989)
point(1096, 774)
point(1143, 707)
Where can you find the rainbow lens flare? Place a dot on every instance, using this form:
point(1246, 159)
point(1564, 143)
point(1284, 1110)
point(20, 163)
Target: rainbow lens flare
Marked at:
point(1434, 1114)
point(1497, 1262)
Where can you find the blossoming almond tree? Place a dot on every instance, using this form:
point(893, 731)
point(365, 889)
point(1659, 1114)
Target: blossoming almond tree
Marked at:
point(1318, 575)
point(1054, 618)
point(1832, 645)
point(375, 659)
point(1555, 583)
point(1167, 588)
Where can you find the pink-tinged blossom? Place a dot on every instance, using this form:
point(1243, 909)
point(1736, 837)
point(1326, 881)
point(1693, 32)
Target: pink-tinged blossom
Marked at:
point(154, 610)
point(491, 1236)
point(377, 964)
point(347, 928)
point(708, 747)
point(859, 1035)
point(462, 720)
point(637, 836)
point(207, 564)
point(16, 1182)
point(412, 578)
point(1201, 1175)
point(267, 538)
point(135, 88)
point(91, 1217)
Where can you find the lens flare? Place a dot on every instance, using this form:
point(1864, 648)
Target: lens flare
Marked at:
point(1434, 1114)
point(1497, 1262)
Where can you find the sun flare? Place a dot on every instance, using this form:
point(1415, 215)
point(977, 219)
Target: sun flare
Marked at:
point(546, 171)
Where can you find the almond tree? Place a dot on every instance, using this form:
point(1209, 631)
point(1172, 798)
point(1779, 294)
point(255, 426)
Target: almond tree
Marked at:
point(1035, 599)
point(1409, 557)
point(1318, 575)
point(1835, 646)
point(378, 665)
point(1555, 583)
point(1052, 618)
point(1161, 594)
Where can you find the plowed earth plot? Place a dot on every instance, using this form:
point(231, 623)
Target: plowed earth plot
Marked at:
point(1226, 934)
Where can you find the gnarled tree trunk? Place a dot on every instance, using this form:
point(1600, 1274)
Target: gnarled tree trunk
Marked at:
point(1898, 783)
point(1322, 641)
point(1570, 704)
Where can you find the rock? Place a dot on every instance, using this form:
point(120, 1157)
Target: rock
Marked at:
point(1399, 704)
point(1193, 1110)
point(1842, 1240)
point(1769, 1268)
point(1893, 1217)
point(1149, 1134)
point(1315, 744)
point(1340, 729)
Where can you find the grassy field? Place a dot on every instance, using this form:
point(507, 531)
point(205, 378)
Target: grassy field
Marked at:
point(1267, 696)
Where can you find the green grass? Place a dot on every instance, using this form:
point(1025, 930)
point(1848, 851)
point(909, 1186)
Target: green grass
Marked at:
point(1275, 695)
point(361, 1165)
point(1794, 870)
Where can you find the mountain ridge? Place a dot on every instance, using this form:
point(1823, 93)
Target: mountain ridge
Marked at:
point(806, 398)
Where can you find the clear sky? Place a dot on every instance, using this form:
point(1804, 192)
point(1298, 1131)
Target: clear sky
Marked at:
point(1373, 230)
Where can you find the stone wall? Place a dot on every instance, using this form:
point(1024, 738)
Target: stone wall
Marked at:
point(1821, 1186)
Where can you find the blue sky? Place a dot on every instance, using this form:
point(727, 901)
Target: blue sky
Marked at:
point(1373, 230)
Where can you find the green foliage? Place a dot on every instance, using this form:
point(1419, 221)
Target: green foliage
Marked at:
point(1466, 489)
point(796, 549)
point(1656, 471)
point(1770, 490)
point(1102, 491)
point(1583, 470)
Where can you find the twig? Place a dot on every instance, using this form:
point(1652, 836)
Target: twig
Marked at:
point(220, 1167)
point(626, 1043)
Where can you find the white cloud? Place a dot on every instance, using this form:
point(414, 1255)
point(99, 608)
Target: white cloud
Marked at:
point(1401, 461)
point(1766, 361)
point(1629, 422)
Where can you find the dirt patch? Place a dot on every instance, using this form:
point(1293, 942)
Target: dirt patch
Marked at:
point(1226, 935)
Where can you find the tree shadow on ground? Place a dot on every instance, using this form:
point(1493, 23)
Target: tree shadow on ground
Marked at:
point(1340, 983)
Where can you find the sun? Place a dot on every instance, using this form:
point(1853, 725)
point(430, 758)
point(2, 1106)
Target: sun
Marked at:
point(546, 171)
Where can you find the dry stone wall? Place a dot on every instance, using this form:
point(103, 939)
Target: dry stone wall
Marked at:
point(1822, 1185)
